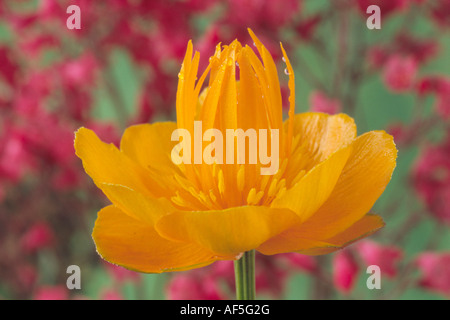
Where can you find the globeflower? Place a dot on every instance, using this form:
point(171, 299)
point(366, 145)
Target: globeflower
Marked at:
point(172, 217)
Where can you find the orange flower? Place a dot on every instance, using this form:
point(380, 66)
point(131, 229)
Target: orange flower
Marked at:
point(167, 217)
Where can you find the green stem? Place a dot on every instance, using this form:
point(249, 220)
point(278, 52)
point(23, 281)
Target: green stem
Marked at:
point(244, 271)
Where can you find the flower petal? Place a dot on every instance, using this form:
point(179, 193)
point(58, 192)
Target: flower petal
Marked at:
point(362, 228)
point(136, 205)
point(150, 145)
point(293, 238)
point(137, 246)
point(320, 134)
point(104, 163)
point(230, 231)
point(305, 197)
point(363, 180)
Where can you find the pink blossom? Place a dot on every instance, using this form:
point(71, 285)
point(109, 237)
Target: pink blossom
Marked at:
point(10, 68)
point(443, 99)
point(306, 27)
point(403, 45)
point(345, 271)
point(431, 177)
point(207, 44)
point(421, 49)
point(78, 72)
point(2, 192)
point(14, 157)
point(224, 270)
point(440, 12)
point(319, 102)
point(146, 109)
point(107, 131)
point(428, 85)
point(35, 45)
point(110, 294)
point(27, 275)
point(37, 237)
point(435, 271)
point(121, 274)
point(386, 257)
point(301, 262)
point(59, 292)
point(399, 73)
point(50, 9)
point(270, 277)
point(66, 178)
point(192, 286)
point(259, 14)
point(440, 86)
point(199, 5)
point(399, 131)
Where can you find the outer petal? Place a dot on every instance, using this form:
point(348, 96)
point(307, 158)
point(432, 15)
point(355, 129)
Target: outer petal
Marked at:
point(305, 197)
point(136, 205)
point(293, 239)
point(106, 164)
point(321, 134)
point(227, 232)
point(150, 145)
point(361, 183)
point(135, 245)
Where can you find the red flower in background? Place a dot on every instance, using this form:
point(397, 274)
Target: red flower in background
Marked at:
point(39, 236)
point(443, 99)
point(399, 73)
point(192, 286)
point(386, 257)
point(405, 45)
point(435, 271)
point(121, 274)
point(306, 27)
point(440, 12)
point(438, 85)
point(302, 262)
point(432, 179)
point(261, 14)
point(319, 102)
point(51, 293)
point(345, 271)
point(15, 159)
point(217, 281)
point(9, 69)
point(110, 294)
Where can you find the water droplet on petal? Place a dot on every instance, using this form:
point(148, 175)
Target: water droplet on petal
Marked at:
point(286, 71)
point(254, 44)
point(181, 76)
point(237, 64)
point(284, 59)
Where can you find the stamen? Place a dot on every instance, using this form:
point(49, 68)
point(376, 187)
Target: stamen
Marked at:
point(240, 180)
point(253, 198)
point(221, 182)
